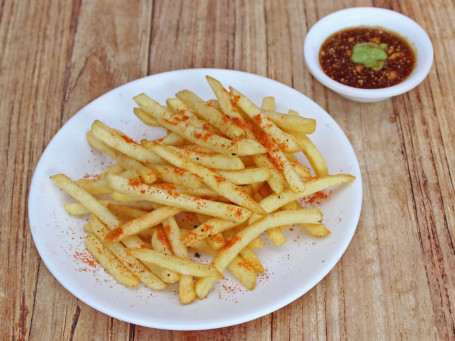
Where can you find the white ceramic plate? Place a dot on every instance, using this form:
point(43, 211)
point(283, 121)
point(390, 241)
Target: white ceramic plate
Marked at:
point(291, 270)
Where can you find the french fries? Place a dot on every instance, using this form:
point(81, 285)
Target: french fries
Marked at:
point(228, 162)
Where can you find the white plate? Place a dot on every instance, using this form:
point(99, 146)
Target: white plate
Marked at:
point(291, 270)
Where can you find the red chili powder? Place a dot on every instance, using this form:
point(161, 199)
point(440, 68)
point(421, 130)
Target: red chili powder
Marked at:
point(114, 234)
point(229, 288)
point(244, 265)
point(317, 198)
point(86, 259)
point(167, 229)
point(166, 185)
point(182, 117)
point(240, 123)
point(206, 136)
point(173, 194)
point(161, 236)
point(128, 140)
point(171, 122)
point(258, 119)
point(231, 242)
point(217, 239)
point(133, 183)
point(220, 178)
point(179, 171)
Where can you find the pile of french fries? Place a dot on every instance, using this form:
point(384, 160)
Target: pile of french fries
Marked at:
point(227, 162)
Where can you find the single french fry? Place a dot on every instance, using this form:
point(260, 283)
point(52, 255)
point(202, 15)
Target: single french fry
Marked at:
point(275, 201)
point(249, 256)
point(140, 205)
point(224, 103)
point(276, 235)
point(87, 227)
point(210, 160)
point(311, 152)
point(94, 186)
point(313, 155)
point(268, 103)
point(173, 234)
point(126, 212)
point(180, 265)
point(172, 139)
point(203, 192)
point(300, 169)
point(131, 174)
point(122, 197)
point(142, 115)
point(77, 208)
point(115, 169)
point(256, 243)
point(290, 123)
point(317, 230)
point(186, 289)
point(247, 175)
point(141, 223)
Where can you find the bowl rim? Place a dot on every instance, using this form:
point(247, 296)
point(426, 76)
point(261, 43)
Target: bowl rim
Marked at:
point(424, 61)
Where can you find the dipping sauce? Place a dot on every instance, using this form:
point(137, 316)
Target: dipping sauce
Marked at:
point(366, 57)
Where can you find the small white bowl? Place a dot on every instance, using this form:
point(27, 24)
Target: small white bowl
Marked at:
point(369, 16)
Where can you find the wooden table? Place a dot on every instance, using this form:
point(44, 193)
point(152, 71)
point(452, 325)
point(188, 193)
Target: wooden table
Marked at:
point(397, 278)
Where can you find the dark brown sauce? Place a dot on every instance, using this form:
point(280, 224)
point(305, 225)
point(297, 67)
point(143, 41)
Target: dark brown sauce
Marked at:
point(336, 52)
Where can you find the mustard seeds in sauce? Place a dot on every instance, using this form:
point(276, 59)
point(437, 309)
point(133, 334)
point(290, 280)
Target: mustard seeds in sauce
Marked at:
point(366, 57)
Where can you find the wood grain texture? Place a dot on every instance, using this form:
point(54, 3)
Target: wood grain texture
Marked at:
point(395, 281)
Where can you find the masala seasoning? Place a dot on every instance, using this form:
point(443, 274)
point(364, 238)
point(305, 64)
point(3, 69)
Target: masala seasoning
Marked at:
point(367, 57)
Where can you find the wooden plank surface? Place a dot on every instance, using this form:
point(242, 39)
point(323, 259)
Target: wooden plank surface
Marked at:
point(397, 278)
